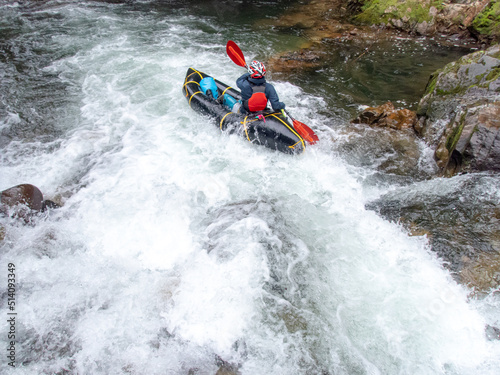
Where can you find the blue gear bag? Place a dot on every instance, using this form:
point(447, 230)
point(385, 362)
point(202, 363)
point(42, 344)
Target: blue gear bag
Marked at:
point(208, 84)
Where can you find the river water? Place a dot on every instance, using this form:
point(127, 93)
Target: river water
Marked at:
point(181, 250)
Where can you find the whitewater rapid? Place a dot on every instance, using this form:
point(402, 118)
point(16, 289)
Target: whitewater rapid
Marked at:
point(179, 248)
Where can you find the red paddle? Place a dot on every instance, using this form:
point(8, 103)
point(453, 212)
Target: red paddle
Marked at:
point(305, 131)
point(236, 55)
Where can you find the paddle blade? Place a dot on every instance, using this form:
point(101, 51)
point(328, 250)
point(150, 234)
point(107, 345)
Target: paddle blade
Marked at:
point(305, 132)
point(235, 54)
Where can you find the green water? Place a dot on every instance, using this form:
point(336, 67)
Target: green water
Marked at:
point(395, 70)
point(351, 73)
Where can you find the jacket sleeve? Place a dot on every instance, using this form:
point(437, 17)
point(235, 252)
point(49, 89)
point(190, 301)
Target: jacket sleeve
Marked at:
point(244, 86)
point(273, 98)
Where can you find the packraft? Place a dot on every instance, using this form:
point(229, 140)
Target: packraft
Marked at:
point(222, 103)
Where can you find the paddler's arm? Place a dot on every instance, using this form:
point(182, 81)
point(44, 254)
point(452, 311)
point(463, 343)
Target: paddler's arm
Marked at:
point(273, 98)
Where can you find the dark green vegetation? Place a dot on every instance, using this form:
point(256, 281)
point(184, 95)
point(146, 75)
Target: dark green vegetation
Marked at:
point(488, 21)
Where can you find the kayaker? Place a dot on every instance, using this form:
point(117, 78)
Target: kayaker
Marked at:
point(255, 91)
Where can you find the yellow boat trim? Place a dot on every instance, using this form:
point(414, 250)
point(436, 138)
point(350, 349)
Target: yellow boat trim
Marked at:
point(292, 130)
point(284, 123)
point(184, 87)
point(194, 72)
point(258, 119)
point(221, 121)
point(197, 92)
point(223, 92)
point(245, 127)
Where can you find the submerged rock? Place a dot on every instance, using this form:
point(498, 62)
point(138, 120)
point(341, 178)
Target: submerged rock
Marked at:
point(492, 333)
point(22, 201)
point(302, 59)
point(460, 217)
point(392, 153)
point(460, 113)
point(388, 144)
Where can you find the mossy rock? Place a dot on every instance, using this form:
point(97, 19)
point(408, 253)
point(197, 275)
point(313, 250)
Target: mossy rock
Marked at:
point(487, 22)
point(459, 108)
point(469, 19)
point(385, 11)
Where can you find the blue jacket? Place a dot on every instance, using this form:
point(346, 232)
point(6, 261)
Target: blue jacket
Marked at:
point(245, 82)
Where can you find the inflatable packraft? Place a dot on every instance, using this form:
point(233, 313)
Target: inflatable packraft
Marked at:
point(215, 99)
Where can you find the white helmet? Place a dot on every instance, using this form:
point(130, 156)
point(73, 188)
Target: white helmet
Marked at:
point(256, 69)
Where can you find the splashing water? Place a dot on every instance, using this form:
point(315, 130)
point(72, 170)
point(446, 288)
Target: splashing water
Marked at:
point(180, 248)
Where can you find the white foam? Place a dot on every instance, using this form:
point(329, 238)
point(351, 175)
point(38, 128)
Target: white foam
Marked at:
point(178, 243)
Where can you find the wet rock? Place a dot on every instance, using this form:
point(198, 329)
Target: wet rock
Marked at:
point(22, 201)
point(460, 113)
point(390, 152)
point(25, 194)
point(492, 333)
point(484, 150)
point(386, 116)
point(460, 216)
point(483, 272)
point(302, 59)
point(423, 17)
point(226, 368)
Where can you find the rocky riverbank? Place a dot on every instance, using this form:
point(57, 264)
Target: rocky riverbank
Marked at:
point(468, 23)
point(459, 19)
point(457, 119)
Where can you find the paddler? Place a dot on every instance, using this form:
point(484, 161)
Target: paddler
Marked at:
point(255, 91)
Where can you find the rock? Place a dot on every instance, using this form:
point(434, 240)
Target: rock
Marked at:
point(484, 145)
point(24, 194)
point(22, 201)
point(393, 152)
point(390, 152)
point(482, 273)
point(460, 217)
point(423, 18)
point(485, 25)
point(387, 116)
point(492, 333)
point(422, 28)
point(302, 59)
point(459, 113)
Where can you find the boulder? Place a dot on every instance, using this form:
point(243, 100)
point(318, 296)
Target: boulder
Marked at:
point(388, 144)
point(290, 61)
point(24, 194)
point(459, 113)
point(427, 17)
point(460, 218)
point(386, 116)
point(486, 24)
point(22, 201)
